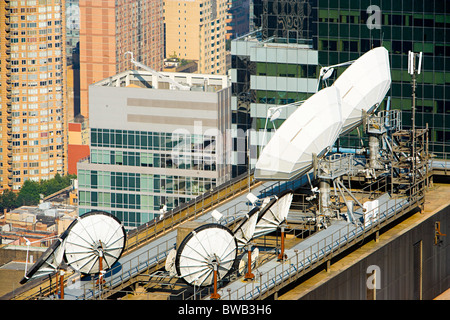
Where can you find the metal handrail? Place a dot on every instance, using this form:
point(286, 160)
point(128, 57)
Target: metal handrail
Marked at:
point(188, 210)
point(335, 243)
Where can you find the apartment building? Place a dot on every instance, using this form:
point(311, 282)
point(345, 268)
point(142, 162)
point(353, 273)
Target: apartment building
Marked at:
point(109, 29)
point(196, 30)
point(33, 91)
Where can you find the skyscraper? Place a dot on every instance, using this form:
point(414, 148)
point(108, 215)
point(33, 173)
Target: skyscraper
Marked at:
point(33, 91)
point(266, 75)
point(347, 29)
point(109, 29)
point(237, 18)
point(343, 30)
point(196, 30)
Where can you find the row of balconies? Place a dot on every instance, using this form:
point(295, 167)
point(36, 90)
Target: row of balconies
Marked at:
point(8, 108)
point(7, 59)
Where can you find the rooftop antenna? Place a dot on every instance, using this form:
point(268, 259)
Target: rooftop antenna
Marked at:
point(91, 241)
point(206, 255)
point(312, 128)
point(326, 72)
point(414, 70)
point(47, 263)
point(94, 243)
point(273, 214)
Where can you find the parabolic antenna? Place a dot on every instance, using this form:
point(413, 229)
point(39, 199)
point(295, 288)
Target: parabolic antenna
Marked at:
point(95, 242)
point(273, 214)
point(363, 86)
point(312, 129)
point(49, 261)
point(243, 263)
point(170, 262)
point(201, 250)
point(245, 230)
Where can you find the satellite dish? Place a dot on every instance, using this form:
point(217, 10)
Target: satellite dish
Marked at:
point(328, 73)
point(201, 250)
point(170, 262)
point(311, 129)
point(95, 238)
point(276, 114)
point(273, 214)
point(245, 230)
point(49, 262)
point(243, 263)
point(363, 86)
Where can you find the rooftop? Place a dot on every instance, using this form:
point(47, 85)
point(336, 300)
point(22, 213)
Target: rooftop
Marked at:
point(166, 81)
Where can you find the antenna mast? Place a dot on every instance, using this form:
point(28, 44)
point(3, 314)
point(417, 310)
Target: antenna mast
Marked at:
point(414, 71)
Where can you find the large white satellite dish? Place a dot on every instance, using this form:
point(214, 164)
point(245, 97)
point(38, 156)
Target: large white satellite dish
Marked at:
point(363, 86)
point(95, 242)
point(206, 247)
point(312, 129)
point(273, 214)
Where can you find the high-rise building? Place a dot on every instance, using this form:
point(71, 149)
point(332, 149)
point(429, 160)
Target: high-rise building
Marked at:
point(72, 56)
point(344, 30)
point(33, 91)
point(196, 30)
point(287, 19)
point(238, 15)
point(108, 30)
point(154, 147)
point(265, 75)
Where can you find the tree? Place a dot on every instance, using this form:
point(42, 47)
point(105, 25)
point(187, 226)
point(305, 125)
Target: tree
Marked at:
point(29, 194)
point(8, 200)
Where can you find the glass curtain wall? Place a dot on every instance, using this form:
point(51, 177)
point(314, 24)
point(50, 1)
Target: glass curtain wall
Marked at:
point(347, 29)
point(122, 182)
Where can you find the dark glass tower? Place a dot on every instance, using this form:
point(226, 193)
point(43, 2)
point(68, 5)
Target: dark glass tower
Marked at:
point(288, 19)
point(343, 30)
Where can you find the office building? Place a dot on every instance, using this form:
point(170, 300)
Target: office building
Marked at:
point(286, 19)
point(343, 30)
point(72, 56)
point(266, 74)
point(33, 91)
point(109, 29)
point(196, 30)
point(72, 28)
point(156, 142)
point(238, 22)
